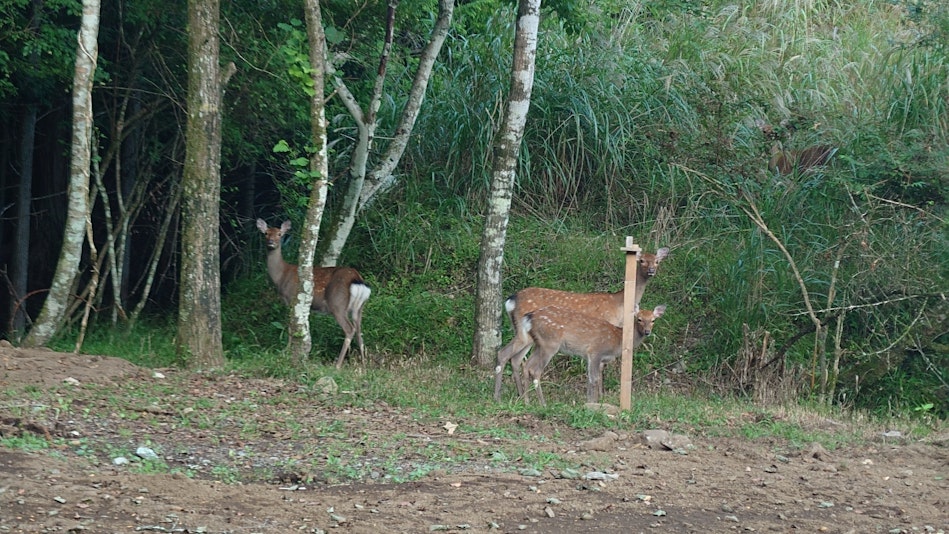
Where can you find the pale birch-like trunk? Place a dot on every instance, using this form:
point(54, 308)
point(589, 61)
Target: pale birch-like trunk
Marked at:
point(77, 211)
point(300, 339)
point(199, 304)
point(487, 334)
point(364, 184)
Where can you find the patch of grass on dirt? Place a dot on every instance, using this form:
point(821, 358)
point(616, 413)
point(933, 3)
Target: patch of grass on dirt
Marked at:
point(26, 442)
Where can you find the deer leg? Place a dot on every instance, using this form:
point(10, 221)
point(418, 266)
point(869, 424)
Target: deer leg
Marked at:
point(594, 379)
point(357, 324)
point(504, 355)
point(533, 370)
point(349, 330)
point(358, 293)
point(517, 362)
point(513, 350)
point(342, 352)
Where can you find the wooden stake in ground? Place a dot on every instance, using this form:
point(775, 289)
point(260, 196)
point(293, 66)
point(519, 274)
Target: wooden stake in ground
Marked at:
point(629, 321)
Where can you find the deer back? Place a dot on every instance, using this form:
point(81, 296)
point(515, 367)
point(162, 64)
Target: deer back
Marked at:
point(332, 288)
point(814, 156)
point(604, 306)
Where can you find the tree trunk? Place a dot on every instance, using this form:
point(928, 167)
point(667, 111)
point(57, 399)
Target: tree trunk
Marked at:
point(21, 254)
point(362, 189)
point(67, 267)
point(199, 306)
point(487, 335)
point(300, 340)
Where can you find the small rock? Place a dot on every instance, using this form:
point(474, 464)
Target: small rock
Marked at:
point(71, 381)
point(120, 460)
point(602, 443)
point(530, 472)
point(549, 512)
point(654, 438)
point(678, 443)
point(599, 475)
point(145, 453)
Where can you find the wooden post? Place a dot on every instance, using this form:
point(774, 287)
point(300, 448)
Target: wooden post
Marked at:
point(629, 301)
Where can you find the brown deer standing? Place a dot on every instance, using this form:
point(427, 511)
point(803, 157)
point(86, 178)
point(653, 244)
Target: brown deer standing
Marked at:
point(339, 291)
point(554, 329)
point(602, 306)
point(798, 161)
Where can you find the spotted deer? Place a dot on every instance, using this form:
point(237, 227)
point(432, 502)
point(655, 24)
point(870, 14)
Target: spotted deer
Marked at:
point(555, 330)
point(339, 291)
point(606, 307)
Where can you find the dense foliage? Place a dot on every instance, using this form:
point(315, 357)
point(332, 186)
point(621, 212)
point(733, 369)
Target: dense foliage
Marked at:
point(650, 119)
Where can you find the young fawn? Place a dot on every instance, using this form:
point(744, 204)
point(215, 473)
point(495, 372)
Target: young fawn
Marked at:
point(339, 291)
point(603, 306)
point(556, 329)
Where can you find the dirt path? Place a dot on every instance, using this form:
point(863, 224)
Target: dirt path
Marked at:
point(313, 468)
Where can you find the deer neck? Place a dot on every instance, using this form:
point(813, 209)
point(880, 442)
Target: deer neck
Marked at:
point(276, 266)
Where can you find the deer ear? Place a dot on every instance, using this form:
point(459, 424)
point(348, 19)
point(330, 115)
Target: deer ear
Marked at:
point(285, 227)
point(660, 309)
point(662, 253)
point(261, 225)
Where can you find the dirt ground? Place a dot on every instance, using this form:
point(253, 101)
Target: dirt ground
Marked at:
point(243, 455)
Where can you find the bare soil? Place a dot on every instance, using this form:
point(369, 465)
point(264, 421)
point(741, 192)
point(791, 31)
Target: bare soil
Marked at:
point(243, 455)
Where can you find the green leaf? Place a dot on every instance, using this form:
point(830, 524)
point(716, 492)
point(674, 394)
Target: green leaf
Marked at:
point(281, 146)
point(333, 35)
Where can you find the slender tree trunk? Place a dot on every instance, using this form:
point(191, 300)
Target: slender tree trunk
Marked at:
point(52, 315)
point(24, 201)
point(300, 340)
point(487, 335)
point(21, 254)
point(199, 306)
point(362, 187)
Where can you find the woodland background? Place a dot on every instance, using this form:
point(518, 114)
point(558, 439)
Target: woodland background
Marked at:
point(649, 119)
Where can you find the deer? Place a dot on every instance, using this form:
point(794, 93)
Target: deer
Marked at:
point(603, 306)
point(554, 330)
point(339, 291)
point(798, 161)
